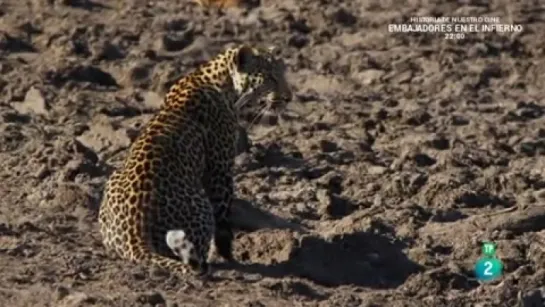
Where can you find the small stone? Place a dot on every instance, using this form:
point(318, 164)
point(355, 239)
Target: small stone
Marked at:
point(152, 100)
point(253, 277)
point(369, 76)
point(301, 207)
point(376, 170)
point(403, 77)
point(378, 201)
point(34, 102)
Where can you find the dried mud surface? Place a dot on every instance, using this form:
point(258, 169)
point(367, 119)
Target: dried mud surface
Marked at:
point(398, 156)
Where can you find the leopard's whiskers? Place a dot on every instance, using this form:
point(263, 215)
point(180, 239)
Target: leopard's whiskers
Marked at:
point(259, 115)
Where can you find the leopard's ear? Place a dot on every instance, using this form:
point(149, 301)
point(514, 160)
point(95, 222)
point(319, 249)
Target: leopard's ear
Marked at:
point(245, 58)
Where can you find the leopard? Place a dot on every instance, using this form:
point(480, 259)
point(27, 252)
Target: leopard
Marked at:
point(170, 200)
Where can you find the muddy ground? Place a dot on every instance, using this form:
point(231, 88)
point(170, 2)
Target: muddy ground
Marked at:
point(400, 154)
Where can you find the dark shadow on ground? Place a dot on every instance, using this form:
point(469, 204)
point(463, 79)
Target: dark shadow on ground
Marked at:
point(361, 259)
point(247, 217)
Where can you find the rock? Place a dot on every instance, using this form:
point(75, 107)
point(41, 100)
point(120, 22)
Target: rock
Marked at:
point(403, 77)
point(369, 76)
point(153, 100)
point(34, 102)
point(103, 137)
point(376, 170)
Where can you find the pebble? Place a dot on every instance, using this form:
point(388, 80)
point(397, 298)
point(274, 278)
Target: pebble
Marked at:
point(34, 102)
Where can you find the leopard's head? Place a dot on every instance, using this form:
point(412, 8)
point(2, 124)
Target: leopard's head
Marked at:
point(259, 72)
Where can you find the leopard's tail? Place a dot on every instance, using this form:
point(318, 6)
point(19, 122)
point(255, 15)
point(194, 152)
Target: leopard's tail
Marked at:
point(144, 254)
point(171, 265)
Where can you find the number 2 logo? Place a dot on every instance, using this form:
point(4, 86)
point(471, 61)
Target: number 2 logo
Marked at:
point(487, 268)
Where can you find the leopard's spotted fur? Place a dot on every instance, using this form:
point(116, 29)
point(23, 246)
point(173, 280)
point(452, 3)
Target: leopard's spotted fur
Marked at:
point(177, 178)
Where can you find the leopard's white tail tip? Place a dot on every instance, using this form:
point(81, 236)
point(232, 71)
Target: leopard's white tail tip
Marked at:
point(179, 244)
